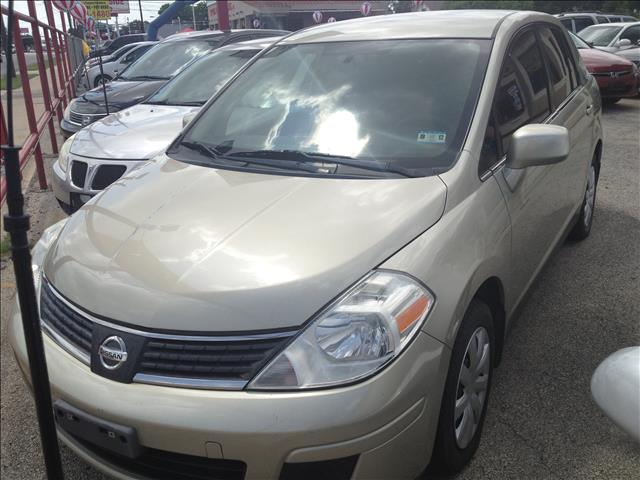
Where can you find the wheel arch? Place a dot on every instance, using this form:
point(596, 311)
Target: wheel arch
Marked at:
point(491, 292)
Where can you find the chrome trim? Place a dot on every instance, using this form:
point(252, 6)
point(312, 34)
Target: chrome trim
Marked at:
point(65, 344)
point(197, 383)
point(489, 173)
point(166, 336)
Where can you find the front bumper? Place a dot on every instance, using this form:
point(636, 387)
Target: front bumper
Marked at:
point(389, 421)
point(72, 196)
point(625, 86)
point(68, 128)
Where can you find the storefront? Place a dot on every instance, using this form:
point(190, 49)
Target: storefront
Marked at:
point(291, 15)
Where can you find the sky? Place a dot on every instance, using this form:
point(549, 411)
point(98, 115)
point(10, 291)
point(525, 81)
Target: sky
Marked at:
point(149, 10)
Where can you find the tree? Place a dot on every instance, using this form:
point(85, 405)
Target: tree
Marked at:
point(186, 14)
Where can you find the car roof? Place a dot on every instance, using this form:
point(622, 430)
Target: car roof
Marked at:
point(218, 33)
point(577, 14)
point(430, 24)
point(255, 44)
point(615, 24)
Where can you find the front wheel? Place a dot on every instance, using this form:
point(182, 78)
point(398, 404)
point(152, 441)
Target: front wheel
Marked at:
point(101, 79)
point(466, 393)
point(610, 100)
point(582, 228)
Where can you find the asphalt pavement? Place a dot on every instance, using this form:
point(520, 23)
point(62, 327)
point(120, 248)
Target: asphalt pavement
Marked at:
point(541, 422)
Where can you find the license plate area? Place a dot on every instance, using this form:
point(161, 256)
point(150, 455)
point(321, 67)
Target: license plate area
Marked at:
point(116, 438)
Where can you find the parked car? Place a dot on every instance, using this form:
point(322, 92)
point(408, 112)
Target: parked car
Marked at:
point(114, 56)
point(112, 45)
point(316, 278)
point(616, 76)
point(615, 385)
point(113, 67)
point(149, 73)
point(100, 154)
point(621, 18)
point(578, 21)
point(613, 37)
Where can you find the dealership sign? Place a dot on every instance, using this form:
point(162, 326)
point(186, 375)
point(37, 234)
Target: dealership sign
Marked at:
point(105, 9)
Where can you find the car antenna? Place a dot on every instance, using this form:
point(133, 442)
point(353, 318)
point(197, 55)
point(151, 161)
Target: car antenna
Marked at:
point(104, 86)
point(16, 223)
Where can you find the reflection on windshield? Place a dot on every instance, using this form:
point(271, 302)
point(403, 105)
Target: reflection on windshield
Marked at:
point(400, 103)
point(599, 36)
point(166, 59)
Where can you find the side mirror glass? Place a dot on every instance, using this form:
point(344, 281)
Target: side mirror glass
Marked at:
point(187, 118)
point(625, 42)
point(538, 144)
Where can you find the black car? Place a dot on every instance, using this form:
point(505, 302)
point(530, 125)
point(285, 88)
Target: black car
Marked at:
point(142, 78)
point(112, 45)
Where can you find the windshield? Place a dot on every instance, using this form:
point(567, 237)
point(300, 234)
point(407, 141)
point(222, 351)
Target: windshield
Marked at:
point(578, 42)
point(599, 36)
point(165, 60)
point(196, 84)
point(402, 105)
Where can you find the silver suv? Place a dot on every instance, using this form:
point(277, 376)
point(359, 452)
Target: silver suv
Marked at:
point(316, 278)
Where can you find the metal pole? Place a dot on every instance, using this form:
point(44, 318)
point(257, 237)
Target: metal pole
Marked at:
point(193, 12)
point(16, 223)
point(141, 18)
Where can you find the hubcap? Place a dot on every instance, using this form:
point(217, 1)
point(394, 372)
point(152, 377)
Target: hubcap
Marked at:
point(590, 197)
point(473, 381)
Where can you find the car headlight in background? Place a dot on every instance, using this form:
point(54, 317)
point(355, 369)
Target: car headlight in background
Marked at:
point(63, 156)
point(354, 337)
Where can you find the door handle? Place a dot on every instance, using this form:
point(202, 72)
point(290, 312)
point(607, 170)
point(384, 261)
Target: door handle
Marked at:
point(589, 109)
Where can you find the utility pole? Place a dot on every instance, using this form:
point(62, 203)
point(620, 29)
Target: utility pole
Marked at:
point(193, 11)
point(141, 17)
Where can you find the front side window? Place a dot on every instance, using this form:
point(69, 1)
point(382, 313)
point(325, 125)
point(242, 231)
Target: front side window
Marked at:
point(566, 22)
point(631, 33)
point(522, 94)
point(602, 19)
point(196, 84)
point(600, 36)
point(402, 105)
point(557, 66)
point(167, 59)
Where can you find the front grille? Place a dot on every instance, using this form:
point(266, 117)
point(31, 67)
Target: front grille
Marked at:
point(65, 322)
point(176, 360)
point(106, 175)
point(204, 360)
point(83, 119)
point(164, 465)
point(337, 469)
point(78, 173)
point(609, 74)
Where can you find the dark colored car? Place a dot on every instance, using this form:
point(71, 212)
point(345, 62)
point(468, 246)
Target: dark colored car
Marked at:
point(616, 76)
point(143, 77)
point(116, 43)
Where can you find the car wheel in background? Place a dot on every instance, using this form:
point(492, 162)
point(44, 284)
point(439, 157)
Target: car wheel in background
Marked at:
point(100, 78)
point(466, 393)
point(610, 100)
point(582, 228)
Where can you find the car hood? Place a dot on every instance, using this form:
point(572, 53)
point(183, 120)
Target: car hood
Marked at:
point(175, 246)
point(136, 133)
point(121, 94)
point(598, 61)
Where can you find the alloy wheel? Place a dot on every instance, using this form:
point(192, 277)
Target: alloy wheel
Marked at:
point(473, 382)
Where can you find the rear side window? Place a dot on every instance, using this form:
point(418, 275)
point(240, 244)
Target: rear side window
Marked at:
point(566, 22)
point(582, 22)
point(522, 95)
point(557, 67)
point(602, 19)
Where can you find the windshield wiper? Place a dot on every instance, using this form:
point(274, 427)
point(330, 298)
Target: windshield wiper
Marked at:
point(216, 155)
point(326, 158)
point(144, 77)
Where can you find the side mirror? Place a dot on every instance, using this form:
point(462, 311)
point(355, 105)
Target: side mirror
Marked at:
point(187, 118)
point(625, 42)
point(538, 144)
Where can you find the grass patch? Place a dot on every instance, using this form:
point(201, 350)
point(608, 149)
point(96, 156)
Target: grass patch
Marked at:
point(5, 245)
point(17, 81)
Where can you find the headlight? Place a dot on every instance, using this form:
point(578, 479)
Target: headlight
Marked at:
point(354, 337)
point(41, 248)
point(63, 156)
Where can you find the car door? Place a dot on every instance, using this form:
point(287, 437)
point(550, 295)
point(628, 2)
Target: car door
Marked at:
point(534, 196)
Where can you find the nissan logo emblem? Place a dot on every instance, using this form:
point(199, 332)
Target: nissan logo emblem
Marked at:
point(113, 353)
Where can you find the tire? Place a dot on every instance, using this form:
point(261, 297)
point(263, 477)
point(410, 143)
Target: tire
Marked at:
point(610, 101)
point(453, 447)
point(98, 81)
point(582, 228)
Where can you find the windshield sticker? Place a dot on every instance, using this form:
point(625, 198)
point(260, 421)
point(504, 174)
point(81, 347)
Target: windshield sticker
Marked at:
point(432, 137)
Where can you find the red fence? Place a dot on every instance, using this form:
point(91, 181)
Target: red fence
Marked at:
point(56, 93)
